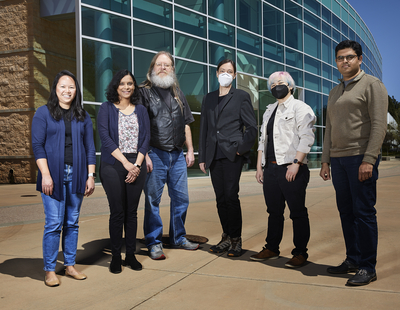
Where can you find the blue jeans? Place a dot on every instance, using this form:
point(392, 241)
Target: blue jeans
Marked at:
point(356, 204)
point(170, 168)
point(61, 215)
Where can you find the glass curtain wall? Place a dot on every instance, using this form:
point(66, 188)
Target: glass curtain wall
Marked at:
point(261, 36)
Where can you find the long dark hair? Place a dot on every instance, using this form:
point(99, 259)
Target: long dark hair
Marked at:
point(76, 106)
point(112, 93)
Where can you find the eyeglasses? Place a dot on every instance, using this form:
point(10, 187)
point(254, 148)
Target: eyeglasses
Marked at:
point(348, 58)
point(166, 66)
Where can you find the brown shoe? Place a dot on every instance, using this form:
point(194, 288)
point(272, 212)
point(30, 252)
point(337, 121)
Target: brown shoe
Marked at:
point(296, 261)
point(264, 255)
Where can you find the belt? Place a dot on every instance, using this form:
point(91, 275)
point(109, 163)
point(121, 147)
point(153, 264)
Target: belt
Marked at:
point(274, 162)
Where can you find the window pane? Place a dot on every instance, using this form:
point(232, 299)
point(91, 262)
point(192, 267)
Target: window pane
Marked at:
point(312, 82)
point(153, 11)
point(119, 6)
point(336, 7)
point(100, 62)
point(249, 15)
point(327, 3)
point(294, 58)
point(106, 26)
point(93, 109)
point(327, 71)
point(271, 67)
point(249, 64)
point(336, 22)
point(312, 19)
point(197, 5)
point(326, 29)
point(249, 42)
point(336, 35)
point(220, 32)
point(273, 51)
point(191, 48)
point(273, 23)
point(312, 42)
point(313, 6)
point(190, 22)
point(326, 86)
point(294, 37)
point(312, 65)
point(151, 37)
point(326, 15)
point(142, 63)
point(219, 53)
point(326, 49)
point(345, 29)
point(314, 101)
point(297, 76)
point(222, 9)
point(277, 3)
point(336, 75)
point(293, 8)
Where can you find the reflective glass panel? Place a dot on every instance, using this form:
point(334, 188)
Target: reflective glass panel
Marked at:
point(249, 15)
point(312, 82)
point(293, 8)
point(151, 37)
point(249, 64)
point(345, 29)
point(197, 5)
point(312, 42)
point(326, 15)
point(336, 22)
point(326, 49)
point(273, 23)
point(222, 9)
point(119, 6)
point(336, 75)
point(294, 58)
point(312, 65)
point(142, 62)
point(106, 26)
point(327, 3)
point(153, 11)
point(101, 60)
point(314, 100)
point(336, 7)
point(190, 48)
point(190, 22)
point(248, 42)
point(336, 35)
point(273, 51)
point(294, 34)
point(313, 6)
point(219, 53)
point(220, 32)
point(93, 109)
point(271, 67)
point(277, 3)
point(326, 86)
point(327, 71)
point(326, 29)
point(312, 19)
point(297, 76)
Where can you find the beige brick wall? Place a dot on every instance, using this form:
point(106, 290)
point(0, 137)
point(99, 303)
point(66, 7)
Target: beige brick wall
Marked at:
point(32, 51)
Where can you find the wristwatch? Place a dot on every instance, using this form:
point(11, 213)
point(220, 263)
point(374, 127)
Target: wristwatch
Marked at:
point(296, 161)
point(139, 166)
point(92, 174)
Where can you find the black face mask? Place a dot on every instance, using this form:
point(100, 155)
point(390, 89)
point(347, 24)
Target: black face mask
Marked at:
point(280, 91)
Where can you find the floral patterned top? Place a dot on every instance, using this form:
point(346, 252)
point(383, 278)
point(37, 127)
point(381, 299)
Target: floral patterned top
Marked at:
point(128, 132)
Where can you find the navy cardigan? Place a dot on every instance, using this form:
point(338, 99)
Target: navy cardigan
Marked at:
point(48, 141)
point(107, 124)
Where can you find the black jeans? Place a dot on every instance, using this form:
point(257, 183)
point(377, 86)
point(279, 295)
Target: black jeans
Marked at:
point(123, 199)
point(225, 177)
point(277, 191)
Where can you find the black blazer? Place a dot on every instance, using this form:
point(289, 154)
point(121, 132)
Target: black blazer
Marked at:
point(234, 126)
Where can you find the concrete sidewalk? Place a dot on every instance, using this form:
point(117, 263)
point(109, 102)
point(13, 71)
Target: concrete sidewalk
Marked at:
point(199, 279)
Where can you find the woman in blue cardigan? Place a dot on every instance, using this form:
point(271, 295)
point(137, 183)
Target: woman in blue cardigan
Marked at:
point(62, 141)
point(124, 129)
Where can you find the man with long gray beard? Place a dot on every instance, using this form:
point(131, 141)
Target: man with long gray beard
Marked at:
point(170, 117)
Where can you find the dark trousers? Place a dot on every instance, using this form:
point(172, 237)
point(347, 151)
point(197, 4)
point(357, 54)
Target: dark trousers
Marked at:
point(123, 199)
point(225, 177)
point(277, 191)
point(356, 204)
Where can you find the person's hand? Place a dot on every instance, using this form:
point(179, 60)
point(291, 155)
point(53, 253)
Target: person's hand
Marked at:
point(325, 173)
point(203, 167)
point(291, 172)
point(260, 176)
point(89, 186)
point(149, 164)
point(47, 185)
point(189, 158)
point(365, 171)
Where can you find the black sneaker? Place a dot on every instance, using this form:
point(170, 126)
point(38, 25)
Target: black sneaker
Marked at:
point(131, 261)
point(236, 247)
point(223, 245)
point(362, 277)
point(343, 268)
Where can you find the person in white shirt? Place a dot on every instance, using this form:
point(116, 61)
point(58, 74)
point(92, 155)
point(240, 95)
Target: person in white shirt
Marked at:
point(287, 134)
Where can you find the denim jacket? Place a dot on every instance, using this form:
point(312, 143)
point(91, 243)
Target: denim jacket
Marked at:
point(293, 130)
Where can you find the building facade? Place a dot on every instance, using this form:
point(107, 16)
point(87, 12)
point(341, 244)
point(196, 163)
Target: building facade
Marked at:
point(261, 36)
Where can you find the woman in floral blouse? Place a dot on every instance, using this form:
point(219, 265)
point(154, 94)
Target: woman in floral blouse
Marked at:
point(124, 129)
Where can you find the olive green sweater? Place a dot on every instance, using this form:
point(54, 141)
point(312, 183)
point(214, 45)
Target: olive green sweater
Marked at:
point(356, 119)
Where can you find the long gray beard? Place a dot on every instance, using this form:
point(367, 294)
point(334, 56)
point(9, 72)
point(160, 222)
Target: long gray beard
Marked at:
point(163, 82)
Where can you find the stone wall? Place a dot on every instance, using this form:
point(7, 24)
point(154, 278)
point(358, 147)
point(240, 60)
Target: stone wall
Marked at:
point(32, 51)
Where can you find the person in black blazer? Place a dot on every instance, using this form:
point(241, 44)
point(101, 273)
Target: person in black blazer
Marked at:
point(228, 129)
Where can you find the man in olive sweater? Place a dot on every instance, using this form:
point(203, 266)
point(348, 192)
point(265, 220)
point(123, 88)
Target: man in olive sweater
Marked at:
point(356, 122)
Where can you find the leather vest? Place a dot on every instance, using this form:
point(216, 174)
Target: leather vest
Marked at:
point(167, 125)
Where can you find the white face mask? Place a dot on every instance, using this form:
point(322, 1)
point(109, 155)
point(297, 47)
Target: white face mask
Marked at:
point(225, 79)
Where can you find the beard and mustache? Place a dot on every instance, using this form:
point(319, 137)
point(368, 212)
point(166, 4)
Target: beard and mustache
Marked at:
point(163, 82)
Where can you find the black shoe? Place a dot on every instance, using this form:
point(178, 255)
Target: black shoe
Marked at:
point(362, 277)
point(344, 267)
point(131, 261)
point(223, 245)
point(115, 265)
point(236, 247)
